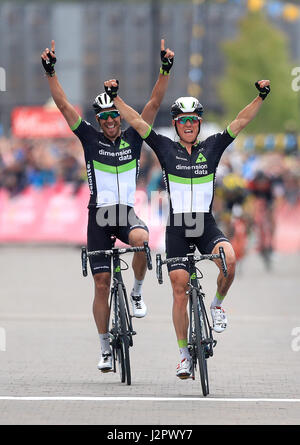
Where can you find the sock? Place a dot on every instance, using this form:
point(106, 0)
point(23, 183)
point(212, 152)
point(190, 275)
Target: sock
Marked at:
point(183, 348)
point(218, 300)
point(137, 287)
point(104, 342)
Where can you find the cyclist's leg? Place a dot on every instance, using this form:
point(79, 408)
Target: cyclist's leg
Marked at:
point(212, 239)
point(179, 280)
point(134, 231)
point(179, 277)
point(209, 242)
point(137, 237)
point(224, 283)
point(98, 238)
point(100, 303)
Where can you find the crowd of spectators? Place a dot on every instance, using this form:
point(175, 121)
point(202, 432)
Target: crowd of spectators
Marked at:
point(38, 163)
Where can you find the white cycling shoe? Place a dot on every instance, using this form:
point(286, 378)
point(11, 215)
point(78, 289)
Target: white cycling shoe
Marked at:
point(105, 362)
point(219, 319)
point(139, 308)
point(184, 369)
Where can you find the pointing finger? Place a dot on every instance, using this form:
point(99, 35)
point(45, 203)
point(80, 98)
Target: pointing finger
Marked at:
point(53, 46)
point(162, 44)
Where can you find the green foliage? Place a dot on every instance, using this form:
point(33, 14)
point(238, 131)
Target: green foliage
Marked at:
point(261, 51)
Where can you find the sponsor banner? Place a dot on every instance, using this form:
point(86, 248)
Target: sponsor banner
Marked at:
point(40, 122)
point(54, 214)
point(287, 233)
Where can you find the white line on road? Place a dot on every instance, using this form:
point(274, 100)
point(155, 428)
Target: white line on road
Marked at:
point(143, 399)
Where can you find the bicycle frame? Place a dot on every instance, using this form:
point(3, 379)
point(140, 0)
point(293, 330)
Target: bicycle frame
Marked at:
point(120, 318)
point(200, 338)
point(194, 283)
point(118, 281)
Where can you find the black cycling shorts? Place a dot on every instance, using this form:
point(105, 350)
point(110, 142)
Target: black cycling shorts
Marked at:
point(105, 222)
point(178, 243)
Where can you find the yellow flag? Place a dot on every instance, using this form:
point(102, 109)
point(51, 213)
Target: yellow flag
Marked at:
point(255, 5)
point(291, 12)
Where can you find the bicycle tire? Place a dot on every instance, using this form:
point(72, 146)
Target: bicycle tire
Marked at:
point(124, 338)
point(121, 362)
point(200, 329)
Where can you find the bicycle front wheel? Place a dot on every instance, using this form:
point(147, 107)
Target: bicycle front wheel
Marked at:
point(200, 336)
point(121, 362)
point(124, 337)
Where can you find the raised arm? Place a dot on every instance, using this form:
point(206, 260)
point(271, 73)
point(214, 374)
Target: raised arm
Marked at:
point(132, 117)
point(248, 113)
point(48, 60)
point(151, 108)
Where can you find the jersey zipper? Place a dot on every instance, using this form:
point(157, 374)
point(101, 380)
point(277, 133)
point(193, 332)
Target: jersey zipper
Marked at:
point(191, 176)
point(191, 182)
point(116, 157)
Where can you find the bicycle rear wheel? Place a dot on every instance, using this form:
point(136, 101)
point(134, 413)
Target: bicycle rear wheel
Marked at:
point(200, 335)
point(124, 337)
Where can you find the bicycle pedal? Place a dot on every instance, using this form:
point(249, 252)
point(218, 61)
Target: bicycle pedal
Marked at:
point(105, 371)
point(184, 377)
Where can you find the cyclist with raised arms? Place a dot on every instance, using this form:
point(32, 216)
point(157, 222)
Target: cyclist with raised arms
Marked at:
point(189, 169)
point(112, 162)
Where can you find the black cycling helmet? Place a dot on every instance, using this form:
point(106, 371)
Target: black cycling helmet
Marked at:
point(102, 102)
point(186, 105)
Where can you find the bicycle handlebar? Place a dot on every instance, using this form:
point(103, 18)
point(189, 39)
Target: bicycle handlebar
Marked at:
point(190, 257)
point(114, 251)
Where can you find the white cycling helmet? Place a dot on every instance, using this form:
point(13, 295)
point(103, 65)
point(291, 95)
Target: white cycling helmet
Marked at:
point(102, 102)
point(186, 105)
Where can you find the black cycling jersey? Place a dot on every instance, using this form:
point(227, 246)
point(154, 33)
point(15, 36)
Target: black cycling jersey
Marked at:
point(112, 167)
point(190, 183)
point(190, 179)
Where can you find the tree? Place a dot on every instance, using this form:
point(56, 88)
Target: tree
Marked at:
point(261, 51)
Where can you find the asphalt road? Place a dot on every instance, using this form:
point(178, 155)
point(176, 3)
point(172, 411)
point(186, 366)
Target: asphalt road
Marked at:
point(49, 349)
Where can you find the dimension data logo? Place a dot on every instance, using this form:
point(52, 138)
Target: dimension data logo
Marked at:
point(201, 158)
point(123, 144)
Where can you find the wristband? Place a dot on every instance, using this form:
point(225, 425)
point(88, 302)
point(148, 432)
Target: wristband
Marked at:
point(263, 92)
point(166, 64)
point(49, 65)
point(163, 72)
point(112, 92)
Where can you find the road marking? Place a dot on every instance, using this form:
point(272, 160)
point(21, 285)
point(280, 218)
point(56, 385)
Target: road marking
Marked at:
point(143, 399)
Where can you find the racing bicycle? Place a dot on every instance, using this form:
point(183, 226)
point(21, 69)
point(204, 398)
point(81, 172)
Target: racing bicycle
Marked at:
point(200, 339)
point(120, 320)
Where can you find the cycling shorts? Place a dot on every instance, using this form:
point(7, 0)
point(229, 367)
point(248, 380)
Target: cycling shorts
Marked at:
point(105, 222)
point(178, 243)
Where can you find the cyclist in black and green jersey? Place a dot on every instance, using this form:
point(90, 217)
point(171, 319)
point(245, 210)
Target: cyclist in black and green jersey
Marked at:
point(112, 162)
point(189, 169)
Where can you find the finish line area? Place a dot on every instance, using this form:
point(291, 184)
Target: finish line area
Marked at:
point(143, 399)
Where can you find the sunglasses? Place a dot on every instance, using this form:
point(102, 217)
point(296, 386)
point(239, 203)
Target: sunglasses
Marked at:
point(184, 119)
point(106, 114)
